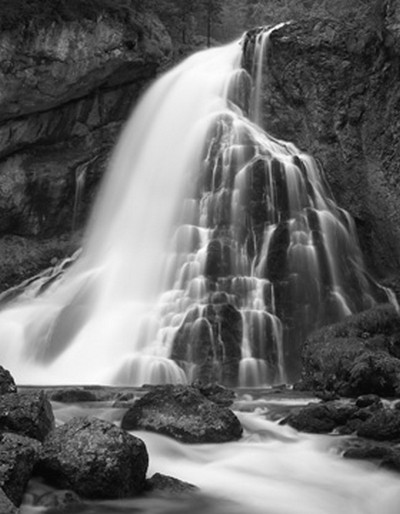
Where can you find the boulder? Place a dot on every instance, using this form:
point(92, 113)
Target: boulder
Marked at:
point(164, 484)
point(385, 455)
point(216, 393)
point(7, 384)
point(320, 418)
point(28, 414)
point(74, 395)
point(384, 425)
point(183, 413)
point(95, 459)
point(60, 501)
point(367, 400)
point(356, 356)
point(18, 456)
point(6, 505)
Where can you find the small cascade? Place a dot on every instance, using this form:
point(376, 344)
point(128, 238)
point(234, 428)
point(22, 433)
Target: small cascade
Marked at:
point(80, 180)
point(213, 249)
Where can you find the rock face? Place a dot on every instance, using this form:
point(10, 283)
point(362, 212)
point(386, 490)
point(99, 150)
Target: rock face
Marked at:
point(7, 383)
point(27, 414)
point(183, 413)
point(332, 89)
point(95, 459)
point(65, 90)
point(357, 356)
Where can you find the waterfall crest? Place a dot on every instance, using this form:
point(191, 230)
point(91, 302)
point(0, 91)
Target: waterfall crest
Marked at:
point(212, 251)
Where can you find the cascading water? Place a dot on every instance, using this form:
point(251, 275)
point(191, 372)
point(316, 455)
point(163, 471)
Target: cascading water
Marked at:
point(212, 251)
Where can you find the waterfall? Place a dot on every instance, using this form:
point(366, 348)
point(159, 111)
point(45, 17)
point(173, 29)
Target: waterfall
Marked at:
point(212, 251)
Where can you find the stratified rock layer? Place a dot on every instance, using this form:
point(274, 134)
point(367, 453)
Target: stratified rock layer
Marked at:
point(66, 87)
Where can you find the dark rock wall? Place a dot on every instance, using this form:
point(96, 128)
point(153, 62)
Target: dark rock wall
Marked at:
point(332, 88)
point(65, 89)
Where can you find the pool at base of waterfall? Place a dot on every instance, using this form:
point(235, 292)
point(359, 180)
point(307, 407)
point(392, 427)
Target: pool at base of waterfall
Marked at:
point(272, 469)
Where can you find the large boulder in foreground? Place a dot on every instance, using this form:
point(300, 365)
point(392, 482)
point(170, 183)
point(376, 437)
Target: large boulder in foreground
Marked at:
point(358, 356)
point(18, 456)
point(29, 414)
point(95, 459)
point(183, 413)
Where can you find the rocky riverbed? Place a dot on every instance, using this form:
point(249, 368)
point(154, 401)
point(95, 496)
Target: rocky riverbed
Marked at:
point(75, 445)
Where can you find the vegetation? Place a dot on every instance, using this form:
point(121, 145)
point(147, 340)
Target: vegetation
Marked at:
point(20, 13)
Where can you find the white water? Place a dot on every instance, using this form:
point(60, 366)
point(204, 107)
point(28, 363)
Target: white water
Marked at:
point(193, 181)
point(119, 274)
point(272, 470)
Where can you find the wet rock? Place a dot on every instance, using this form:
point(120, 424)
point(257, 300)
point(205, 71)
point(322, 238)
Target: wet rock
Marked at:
point(164, 484)
point(29, 414)
point(367, 400)
point(230, 326)
point(18, 456)
point(383, 425)
point(7, 384)
point(385, 455)
point(6, 505)
point(95, 459)
point(75, 395)
point(183, 413)
point(332, 89)
point(320, 418)
point(353, 357)
point(60, 501)
point(392, 459)
point(216, 393)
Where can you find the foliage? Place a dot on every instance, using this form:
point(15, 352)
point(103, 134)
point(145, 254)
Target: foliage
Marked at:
point(19, 13)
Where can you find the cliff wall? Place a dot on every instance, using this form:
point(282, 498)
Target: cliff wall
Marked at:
point(65, 90)
point(332, 88)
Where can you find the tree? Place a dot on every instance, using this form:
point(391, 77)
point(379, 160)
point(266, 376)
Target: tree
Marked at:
point(212, 14)
point(233, 19)
point(186, 10)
